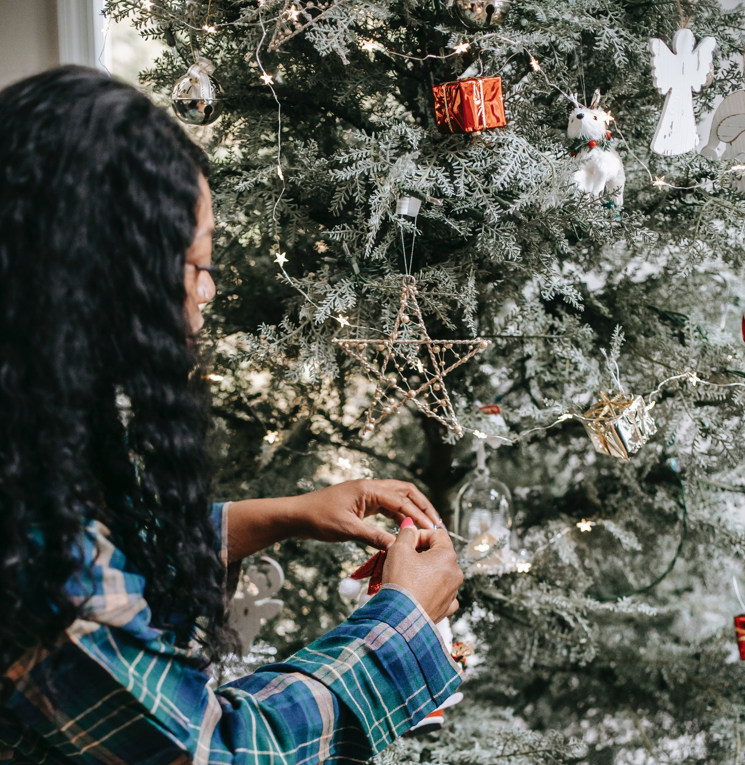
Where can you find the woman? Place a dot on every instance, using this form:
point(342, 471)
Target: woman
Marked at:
point(109, 551)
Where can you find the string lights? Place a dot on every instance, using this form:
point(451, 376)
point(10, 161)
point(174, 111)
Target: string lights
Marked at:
point(525, 562)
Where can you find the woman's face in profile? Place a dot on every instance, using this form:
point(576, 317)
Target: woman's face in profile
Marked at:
point(200, 288)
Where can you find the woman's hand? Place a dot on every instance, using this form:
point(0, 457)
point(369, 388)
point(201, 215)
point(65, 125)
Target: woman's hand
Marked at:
point(336, 513)
point(333, 514)
point(425, 564)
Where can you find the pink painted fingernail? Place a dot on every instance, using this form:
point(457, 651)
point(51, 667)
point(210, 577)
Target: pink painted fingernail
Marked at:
point(406, 523)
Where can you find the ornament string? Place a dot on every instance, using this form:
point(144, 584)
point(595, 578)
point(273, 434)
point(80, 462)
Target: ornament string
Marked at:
point(737, 592)
point(688, 376)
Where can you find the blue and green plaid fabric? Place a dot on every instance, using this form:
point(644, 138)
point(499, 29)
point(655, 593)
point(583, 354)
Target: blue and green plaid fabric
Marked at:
point(118, 692)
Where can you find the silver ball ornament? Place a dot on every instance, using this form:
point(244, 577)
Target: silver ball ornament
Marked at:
point(198, 98)
point(481, 14)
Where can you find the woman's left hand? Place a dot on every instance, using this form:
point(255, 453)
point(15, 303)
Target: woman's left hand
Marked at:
point(336, 513)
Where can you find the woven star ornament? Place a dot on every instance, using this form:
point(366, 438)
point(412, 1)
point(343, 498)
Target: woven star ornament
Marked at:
point(410, 366)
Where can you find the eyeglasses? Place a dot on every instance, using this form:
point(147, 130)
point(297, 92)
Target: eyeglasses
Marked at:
point(211, 270)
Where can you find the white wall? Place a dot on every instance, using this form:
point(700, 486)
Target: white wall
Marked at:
point(28, 38)
point(39, 34)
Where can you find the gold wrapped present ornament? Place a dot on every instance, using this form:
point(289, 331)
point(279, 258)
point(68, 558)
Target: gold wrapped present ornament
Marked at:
point(619, 426)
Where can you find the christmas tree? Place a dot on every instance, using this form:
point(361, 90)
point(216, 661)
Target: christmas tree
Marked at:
point(602, 615)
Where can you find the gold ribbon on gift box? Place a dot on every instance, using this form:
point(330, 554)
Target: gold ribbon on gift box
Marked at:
point(609, 408)
point(601, 421)
point(478, 85)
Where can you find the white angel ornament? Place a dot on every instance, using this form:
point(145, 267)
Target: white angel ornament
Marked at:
point(678, 74)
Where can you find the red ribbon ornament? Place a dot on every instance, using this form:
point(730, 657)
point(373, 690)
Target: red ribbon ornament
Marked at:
point(374, 569)
point(491, 409)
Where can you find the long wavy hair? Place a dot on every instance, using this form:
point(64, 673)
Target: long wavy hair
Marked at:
point(98, 190)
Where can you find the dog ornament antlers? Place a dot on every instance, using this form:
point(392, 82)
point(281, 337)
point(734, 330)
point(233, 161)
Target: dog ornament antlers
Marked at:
point(602, 168)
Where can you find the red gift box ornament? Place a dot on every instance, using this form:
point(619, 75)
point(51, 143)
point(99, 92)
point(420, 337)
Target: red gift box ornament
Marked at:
point(740, 632)
point(470, 105)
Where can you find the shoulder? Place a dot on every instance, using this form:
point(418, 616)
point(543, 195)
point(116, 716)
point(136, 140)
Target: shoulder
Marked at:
point(108, 588)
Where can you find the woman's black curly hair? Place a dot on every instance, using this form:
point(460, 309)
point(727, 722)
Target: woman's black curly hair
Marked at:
point(98, 195)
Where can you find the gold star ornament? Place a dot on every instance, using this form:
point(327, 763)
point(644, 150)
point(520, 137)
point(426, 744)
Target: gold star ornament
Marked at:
point(410, 366)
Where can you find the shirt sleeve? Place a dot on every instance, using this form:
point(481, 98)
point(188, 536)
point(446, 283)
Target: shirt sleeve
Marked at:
point(117, 691)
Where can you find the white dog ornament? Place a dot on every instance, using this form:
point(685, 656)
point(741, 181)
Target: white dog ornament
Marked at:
point(602, 167)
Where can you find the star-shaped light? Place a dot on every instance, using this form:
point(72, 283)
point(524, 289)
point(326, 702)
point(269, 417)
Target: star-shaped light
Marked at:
point(522, 567)
point(344, 464)
point(461, 47)
point(293, 13)
point(209, 29)
point(534, 63)
point(342, 319)
point(267, 78)
point(271, 436)
point(281, 259)
point(370, 45)
point(585, 525)
point(401, 374)
point(659, 181)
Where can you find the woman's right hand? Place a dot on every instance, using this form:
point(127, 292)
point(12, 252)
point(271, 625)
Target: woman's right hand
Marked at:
point(425, 564)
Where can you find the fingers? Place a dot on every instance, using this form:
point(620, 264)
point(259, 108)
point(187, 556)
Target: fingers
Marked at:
point(436, 539)
point(417, 499)
point(398, 498)
point(408, 536)
point(369, 535)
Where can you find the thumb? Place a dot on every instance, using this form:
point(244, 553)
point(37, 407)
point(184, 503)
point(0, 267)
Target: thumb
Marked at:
point(369, 535)
point(408, 536)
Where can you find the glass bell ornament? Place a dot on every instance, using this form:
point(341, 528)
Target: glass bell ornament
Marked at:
point(198, 98)
point(481, 14)
point(484, 503)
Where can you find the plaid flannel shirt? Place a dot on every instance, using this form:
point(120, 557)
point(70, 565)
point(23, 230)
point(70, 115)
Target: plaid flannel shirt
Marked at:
point(118, 692)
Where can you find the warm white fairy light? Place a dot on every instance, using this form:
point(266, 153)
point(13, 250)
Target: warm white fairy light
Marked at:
point(585, 525)
point(209, 29)
point(480, 434)
point(659, 181)
point(344, 463)
point(293, 13)
point(342, 319)
point(271, 436)
point(461, 47)
point(523, 566)
point(215, 378)
point(534, 64)
point(370, 45)
point(267, 78)
point(281, 259)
